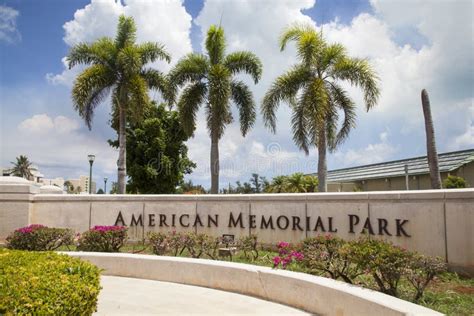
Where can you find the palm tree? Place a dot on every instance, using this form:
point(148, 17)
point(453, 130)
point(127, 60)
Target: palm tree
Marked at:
point(68, 186)
point(22, 167)
point(430, 142)
point(117, 66)
point(208, 79)
point(313, 91)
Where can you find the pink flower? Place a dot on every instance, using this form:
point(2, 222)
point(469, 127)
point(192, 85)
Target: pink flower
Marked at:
point(276, 261)
point(104, 229)
point(30, 228)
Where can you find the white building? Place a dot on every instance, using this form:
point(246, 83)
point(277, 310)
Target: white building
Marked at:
point(81, 185)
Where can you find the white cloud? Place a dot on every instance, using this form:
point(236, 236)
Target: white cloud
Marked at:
point(37, 124)
point(166, 22)
point(57, 144)
point(8, 29)
point(372, 153)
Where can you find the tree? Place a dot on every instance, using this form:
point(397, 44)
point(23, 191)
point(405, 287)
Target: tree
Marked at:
point(68, 187)
point(189, 188)
point(208, 79)
point(295, 183)
point(100, 191)
point(22, 167)
point(258, 183)
point(117, 66)
point(114, 189)
point(313, 91)
point(430, 142)
point(157, 157)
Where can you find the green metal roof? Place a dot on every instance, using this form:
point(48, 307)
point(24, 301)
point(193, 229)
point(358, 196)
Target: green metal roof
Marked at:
point(419, 165)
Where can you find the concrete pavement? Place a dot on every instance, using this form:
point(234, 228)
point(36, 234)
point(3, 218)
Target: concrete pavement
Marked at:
point(129, 296)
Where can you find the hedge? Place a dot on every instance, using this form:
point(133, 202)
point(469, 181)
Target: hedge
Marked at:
point(46, 283)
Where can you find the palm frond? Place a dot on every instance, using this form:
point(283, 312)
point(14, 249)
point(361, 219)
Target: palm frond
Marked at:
point(90, 88)
point(138, 99)
point(359, 73)
point(243, 98)
point(157, 80)
point(244, 61)
point(215, 44)
point(192, 97)
point(192, 67)
point(129, 60)
point(151, 52)
point(342, 100)
point(218, 109)
point(284, 88)
point(299, 125)
point(126, 32)
point(100, 52)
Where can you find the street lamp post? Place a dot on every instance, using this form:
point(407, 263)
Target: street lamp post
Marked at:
point(91, 161)
point(105, 185)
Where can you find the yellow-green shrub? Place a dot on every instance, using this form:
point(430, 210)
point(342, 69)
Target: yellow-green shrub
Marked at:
point(46, 283)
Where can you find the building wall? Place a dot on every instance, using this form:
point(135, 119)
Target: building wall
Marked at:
point(83, 182)
point(416, 182)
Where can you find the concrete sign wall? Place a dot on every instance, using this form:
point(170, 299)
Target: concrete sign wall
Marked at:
point(436, 223)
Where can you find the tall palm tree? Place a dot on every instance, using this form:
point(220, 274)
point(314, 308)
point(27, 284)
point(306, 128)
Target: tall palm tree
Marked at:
point(208, 79)
point(22, 167)
point(117, 66)
point(313, 91)
point(430, 142)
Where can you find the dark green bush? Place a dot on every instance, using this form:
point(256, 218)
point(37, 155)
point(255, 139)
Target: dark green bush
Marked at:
point(39, 238)
point(103, 239)
point(46, 283)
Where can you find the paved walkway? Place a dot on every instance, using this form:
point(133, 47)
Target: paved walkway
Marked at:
point(128, 296)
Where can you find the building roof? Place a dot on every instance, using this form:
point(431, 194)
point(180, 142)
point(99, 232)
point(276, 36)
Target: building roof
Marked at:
point(419, 165)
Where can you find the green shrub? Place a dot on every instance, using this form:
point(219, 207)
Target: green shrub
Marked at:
point(330, 255)
point(39, 238)
point(422, 270)
point(103, 239)
point(454, 182)
point(159, 243)
point(248, 245)
point(46, 283)
point(385, 262)
point(196, 245)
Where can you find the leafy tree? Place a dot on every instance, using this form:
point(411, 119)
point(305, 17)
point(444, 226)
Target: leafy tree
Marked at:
point(157, 156)
point(68, 187)
point(313, 91)
point(454, 182)
point(117, 66)
point(189, 188)
point(208, 79)
point(295, 183)
point(114, 188)
point(22, 167)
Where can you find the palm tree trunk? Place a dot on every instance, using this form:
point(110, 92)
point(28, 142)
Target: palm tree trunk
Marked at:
point(122, 172)
point(430, 142)
point(322, 167)
point(214, 164)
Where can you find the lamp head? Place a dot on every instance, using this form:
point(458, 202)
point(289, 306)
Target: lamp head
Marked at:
point(91, 158)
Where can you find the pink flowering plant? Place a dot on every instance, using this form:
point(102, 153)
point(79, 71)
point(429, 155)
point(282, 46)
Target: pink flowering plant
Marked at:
point(103, 239)
point(287, 255)
point(37, 237)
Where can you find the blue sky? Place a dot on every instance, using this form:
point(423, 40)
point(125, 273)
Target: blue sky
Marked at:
point(401, 38)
